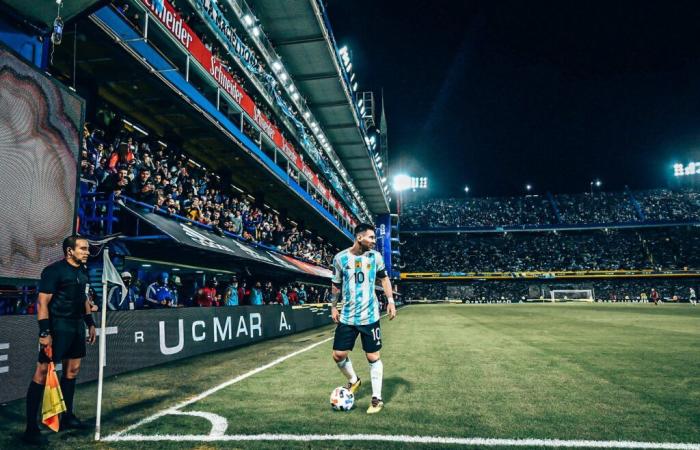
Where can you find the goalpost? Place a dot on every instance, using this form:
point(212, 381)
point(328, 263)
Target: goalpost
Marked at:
point(572, 295)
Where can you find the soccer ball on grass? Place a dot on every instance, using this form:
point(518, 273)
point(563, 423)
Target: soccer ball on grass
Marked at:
point(342, 399)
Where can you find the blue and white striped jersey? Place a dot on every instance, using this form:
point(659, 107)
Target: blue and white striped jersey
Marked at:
point(358, 274)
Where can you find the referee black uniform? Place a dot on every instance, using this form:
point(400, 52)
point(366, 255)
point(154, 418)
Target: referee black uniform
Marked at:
point(63, 292)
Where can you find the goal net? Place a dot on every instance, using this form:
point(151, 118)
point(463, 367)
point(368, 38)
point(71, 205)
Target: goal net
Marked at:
point(571, 295)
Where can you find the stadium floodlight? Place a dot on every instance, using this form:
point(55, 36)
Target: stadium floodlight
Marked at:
point(256, 31)
point(343, 49)
point(598, 183)
point(528, 187)
point(354, 87)
point(466, 189)
point(248, 20)
point(352, 77)
point(283, 77)
point(402, 182)
point(360, 101)
point(295, 96)
point(276, 66)
point(291, 88)
point(307, 115)
point(348, 67)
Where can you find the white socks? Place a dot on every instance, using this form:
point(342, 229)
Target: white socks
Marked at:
point(376, 372)
point(345, 367)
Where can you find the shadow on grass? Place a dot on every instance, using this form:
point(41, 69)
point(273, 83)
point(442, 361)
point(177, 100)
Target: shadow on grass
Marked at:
point(395, 385)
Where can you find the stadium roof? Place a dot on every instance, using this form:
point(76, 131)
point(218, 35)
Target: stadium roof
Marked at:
point(300, 36)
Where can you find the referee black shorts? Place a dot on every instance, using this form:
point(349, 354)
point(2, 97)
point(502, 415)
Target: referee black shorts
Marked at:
point(68, 340)
point(346, 335)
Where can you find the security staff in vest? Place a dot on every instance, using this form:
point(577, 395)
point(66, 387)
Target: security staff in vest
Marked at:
point(63, 313)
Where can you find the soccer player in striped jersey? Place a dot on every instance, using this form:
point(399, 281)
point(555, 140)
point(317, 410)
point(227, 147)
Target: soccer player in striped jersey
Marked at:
point(355, 271)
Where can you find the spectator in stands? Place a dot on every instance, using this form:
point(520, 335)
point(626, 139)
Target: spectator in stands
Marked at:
point(143, 188)
point(158, 293)
point(122, 157)
point(256, 296)
point(207, 296)
point(293, 296)
point(175, 287)
point(231, 293)
point(115, 302)
point(302, 295)
point(268, 293)
point(117, 183)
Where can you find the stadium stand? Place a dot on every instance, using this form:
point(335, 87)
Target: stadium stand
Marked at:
point(591, 209)
point(172, 181)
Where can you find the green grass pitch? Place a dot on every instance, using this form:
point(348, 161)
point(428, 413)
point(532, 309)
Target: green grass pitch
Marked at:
point(547, 371)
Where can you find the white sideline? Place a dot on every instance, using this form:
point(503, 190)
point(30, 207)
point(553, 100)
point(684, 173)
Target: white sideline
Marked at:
point(174, 409)
point(485, 442)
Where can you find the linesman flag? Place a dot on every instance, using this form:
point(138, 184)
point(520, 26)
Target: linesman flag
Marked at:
point(53, 403)
point(110, 274)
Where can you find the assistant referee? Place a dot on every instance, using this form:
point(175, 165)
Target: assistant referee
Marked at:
point(63, 314)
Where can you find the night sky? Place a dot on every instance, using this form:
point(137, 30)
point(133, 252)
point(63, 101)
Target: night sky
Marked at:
point(497, 94)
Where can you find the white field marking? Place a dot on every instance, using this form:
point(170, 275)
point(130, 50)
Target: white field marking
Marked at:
point(218, 423)
point(174, 409)
point(486, 442)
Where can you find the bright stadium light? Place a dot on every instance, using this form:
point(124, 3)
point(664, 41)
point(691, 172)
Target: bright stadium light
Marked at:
point(528, 187)
point(295, 96)
point(598, 183)
point(466, 189)
point(247, 20)
point(283, 77)
point(256, 31)
point(354, 87)
point(402, 182)
point(343, 49)
point(276, 66)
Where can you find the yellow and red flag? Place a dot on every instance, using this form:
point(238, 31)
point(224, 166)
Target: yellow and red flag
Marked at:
point(53, 403)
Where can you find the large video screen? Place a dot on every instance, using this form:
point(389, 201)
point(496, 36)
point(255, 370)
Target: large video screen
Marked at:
point(40, 125)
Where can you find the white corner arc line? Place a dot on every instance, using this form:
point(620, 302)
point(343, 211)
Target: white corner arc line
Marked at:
point(219, 424)
point(207, 393)
point(485, 442)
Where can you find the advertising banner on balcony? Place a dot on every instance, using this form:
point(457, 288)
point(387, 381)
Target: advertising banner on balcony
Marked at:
point(204, 239)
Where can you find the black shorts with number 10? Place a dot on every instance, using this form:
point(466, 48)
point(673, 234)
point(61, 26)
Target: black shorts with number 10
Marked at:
point(346, 335)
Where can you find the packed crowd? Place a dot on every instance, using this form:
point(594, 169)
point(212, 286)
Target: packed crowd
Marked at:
point(527, 251)
point(477, 212)
point(638, 249)
point(176, 185)
point(532, 210)
point(513, 291)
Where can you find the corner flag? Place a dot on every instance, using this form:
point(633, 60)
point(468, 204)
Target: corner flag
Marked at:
point(110, 274)
point(52, 404)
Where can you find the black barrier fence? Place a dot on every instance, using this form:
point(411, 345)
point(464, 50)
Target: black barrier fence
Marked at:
point(137, 339)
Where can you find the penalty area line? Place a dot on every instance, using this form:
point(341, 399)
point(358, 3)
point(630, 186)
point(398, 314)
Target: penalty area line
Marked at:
point(485, 442)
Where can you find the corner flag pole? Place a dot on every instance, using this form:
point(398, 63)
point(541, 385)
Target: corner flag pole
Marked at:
point(103, 349)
